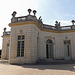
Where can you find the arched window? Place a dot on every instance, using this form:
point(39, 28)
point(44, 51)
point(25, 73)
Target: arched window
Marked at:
point(49, 49)
point(49, 41)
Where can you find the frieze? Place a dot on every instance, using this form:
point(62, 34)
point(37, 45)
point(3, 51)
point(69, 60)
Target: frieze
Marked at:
point(49, 37)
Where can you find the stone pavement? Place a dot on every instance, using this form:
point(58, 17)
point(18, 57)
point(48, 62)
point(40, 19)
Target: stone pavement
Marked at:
point(62, 69)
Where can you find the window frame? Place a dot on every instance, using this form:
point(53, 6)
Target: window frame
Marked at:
point(20, 45)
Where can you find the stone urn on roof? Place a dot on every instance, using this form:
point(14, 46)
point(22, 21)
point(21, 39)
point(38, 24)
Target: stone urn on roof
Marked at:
point(34, 11)
point(29, 11)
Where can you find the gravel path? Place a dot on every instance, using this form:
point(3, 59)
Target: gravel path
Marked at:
point(64, 69)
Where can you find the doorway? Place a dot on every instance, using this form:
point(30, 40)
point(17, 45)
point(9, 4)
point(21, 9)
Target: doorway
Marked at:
point(49, 49)
point(67, 50)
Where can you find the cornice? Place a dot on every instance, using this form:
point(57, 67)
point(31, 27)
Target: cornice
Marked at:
point(37, 24)
point(5, 36)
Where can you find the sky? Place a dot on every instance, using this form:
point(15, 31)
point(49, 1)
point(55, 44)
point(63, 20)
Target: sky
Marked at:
point(50, 10)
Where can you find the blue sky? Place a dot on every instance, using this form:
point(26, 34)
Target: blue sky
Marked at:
point(50, 10)
point(61, 10)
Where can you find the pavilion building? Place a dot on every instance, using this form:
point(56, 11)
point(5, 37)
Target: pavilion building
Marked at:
point(30, 40)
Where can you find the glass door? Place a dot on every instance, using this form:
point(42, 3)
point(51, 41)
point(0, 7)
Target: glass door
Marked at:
point(67, 50)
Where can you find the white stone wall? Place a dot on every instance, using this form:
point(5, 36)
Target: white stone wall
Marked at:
point(6, 40)
point(58, 41)
point(35, 44)
point(71, 37)
point(43, 37)
point(30, 47)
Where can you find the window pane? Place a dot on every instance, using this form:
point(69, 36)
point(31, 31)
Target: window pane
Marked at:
point(68, 50)
point(20, 46)
point(23, 42)
point(18, 54)
point(47, 53)
point(22, 36)
point(19, 37)
point(22, 54)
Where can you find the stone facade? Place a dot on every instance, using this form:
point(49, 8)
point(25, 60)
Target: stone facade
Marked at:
point(36, 35)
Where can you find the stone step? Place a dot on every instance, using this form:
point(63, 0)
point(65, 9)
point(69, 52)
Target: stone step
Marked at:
point(56, 62)
point(4, 61)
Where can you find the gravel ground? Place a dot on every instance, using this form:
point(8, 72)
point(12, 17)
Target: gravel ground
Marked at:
point(64, 69)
